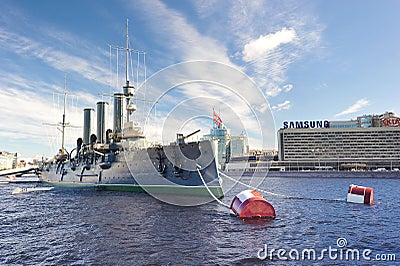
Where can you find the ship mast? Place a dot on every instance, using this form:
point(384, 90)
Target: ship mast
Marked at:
point(63, 124)
point(127, 55)
point(128, 89)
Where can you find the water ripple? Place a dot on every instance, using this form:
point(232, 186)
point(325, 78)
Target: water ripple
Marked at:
point(116, 228)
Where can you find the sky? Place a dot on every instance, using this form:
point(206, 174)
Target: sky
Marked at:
point(307, 60)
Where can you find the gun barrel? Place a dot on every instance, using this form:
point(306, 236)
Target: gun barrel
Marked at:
point(191, 134)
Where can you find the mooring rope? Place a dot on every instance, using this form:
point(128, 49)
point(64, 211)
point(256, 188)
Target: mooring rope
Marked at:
point(209, 191)
point(276, 194)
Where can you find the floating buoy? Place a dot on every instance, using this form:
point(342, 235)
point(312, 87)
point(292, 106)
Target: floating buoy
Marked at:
point(359, 194)
point(251, 204)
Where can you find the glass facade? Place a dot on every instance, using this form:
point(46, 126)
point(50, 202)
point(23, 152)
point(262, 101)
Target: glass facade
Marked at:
point(239, 146)
point(366, 140)
point(368, 145)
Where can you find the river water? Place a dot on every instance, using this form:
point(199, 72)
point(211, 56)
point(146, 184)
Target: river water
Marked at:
point(121, 228)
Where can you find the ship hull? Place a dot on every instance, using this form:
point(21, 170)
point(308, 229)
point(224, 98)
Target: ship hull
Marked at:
point(173, 170)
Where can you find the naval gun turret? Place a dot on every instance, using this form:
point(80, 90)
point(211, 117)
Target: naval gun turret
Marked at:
point(181, 138)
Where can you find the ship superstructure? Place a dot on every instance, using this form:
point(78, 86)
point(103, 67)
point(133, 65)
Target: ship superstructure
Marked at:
point(123, 159)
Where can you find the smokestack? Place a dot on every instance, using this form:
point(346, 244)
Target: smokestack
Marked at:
point(102, 110)
point(88, 125)
point(119, 112)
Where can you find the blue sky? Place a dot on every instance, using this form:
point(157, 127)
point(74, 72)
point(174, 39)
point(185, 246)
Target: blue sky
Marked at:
point(311, 60)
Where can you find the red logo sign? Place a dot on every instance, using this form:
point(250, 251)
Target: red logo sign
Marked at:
point(391, 122)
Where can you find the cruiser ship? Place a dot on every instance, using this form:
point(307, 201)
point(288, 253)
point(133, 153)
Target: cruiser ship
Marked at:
point(122, 158)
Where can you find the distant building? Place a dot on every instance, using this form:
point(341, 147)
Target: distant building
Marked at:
point(368, 142)
point(8, 160)
point(264, 154)
point(227, 145)
point(364, 121)
point(221, 137)
point(239, 145)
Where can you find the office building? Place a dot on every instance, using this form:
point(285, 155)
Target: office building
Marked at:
point(369, 142)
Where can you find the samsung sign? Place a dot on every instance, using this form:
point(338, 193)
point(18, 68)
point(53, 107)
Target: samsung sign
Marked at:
point(306, 124)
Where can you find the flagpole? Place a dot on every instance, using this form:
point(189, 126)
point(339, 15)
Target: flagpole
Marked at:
point(214, 115)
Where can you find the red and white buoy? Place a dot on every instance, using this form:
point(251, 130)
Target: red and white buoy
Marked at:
point(359, 194)
point(251, 204)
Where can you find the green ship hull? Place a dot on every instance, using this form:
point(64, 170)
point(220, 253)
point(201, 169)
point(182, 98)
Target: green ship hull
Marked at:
point(196, 191)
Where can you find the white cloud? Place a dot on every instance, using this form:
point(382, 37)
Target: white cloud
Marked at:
point(263, 107)
point(274, 90)
point(288, 32)
point(354, 108)
point(28, 101)
point(288, 87)
point(260, 47)
point(23, 115)
point(226, 34)
point(184, 41)
point(282, 106)
point(55, 58)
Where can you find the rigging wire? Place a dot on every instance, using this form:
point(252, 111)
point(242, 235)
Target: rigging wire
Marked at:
point(137, 70)
point(147, 104)
point(276, 194)
point(111, 82)
point(132, 69)
point(137, 76)
point(116, 82)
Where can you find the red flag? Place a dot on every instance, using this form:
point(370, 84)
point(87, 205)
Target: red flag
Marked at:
point(217, 119)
